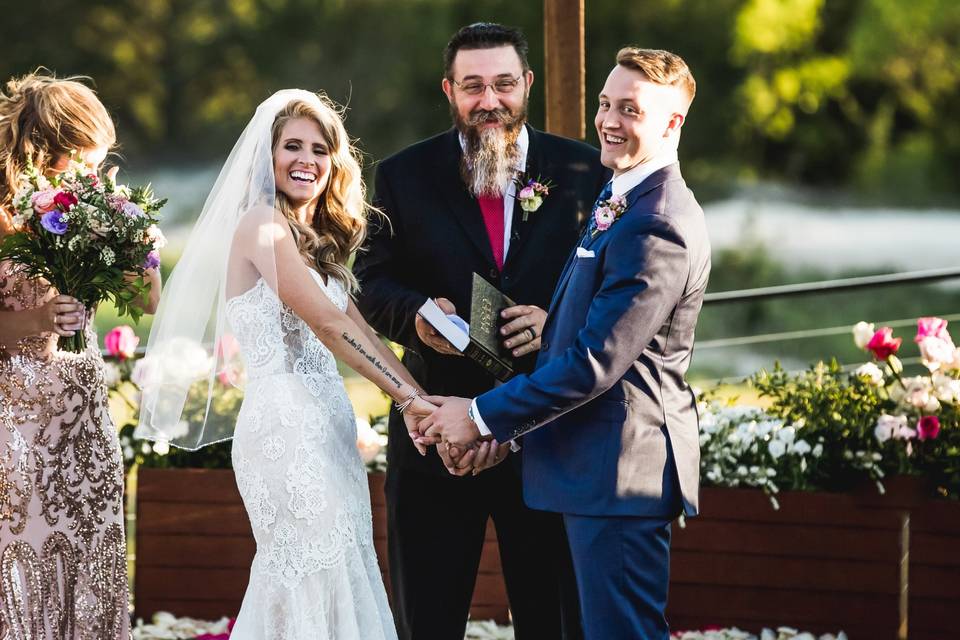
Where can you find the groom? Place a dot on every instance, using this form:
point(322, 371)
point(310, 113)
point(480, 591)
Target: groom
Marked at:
point(620, 455)
point(453, 210)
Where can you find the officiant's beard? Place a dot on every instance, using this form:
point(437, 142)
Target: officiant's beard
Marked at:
point(490, 154)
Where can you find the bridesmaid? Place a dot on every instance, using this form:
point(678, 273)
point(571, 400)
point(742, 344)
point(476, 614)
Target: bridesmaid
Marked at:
point(63, 571)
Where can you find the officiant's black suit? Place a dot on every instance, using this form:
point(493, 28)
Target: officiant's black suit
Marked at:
point(434, 242)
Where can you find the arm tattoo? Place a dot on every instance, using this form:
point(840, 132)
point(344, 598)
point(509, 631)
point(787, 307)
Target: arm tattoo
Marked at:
point(372, 360)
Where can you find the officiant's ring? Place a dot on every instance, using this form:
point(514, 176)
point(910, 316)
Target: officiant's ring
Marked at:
point(533, 333)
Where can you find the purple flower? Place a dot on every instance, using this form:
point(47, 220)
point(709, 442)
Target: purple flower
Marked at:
point(152, 261)
point(132, 210)
point(53, 222)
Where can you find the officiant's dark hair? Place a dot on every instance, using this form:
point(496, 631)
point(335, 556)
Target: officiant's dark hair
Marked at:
point(484, 35)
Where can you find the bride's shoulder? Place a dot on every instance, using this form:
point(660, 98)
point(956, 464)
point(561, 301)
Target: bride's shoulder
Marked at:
point(261, 222)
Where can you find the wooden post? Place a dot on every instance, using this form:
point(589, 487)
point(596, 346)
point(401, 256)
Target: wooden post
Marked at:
point(565, 70)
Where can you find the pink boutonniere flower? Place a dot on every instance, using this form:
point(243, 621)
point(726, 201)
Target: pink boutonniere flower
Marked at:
point(608, 212)
point(530, 193)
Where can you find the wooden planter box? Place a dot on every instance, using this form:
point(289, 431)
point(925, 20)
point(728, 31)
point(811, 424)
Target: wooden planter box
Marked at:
point(823, 562)
point(195, 546)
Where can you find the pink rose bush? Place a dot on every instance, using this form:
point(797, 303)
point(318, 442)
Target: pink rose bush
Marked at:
point(121, 342)
point(869, 421)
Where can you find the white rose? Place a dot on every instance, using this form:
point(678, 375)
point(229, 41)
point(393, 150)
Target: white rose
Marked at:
point(889, 427)
point(817, 450)
point(862, 332)
point(111, 374)
point(777, 448)
point(161, 448)
point(871, 373)
point(936, 352)
point(368, 441)
point(146, 373)
point(787, 434)
point(801, 447)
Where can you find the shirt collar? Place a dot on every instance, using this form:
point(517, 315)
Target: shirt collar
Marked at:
point(631, 178)
point(523, 143)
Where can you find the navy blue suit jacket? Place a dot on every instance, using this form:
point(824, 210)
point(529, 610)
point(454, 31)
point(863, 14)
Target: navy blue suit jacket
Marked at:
point(609, 378)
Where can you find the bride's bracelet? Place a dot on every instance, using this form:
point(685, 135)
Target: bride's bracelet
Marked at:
point(402, 406)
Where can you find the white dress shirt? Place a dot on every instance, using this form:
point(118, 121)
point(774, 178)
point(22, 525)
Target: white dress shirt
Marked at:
point(622, 184)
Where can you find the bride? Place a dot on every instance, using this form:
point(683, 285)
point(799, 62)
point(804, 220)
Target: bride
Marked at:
point(266, 263)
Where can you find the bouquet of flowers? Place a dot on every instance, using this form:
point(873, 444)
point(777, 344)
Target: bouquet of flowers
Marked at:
point(89, 238)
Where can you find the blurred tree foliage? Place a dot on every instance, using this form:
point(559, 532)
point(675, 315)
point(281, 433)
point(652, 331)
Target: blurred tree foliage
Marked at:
point(825, 92)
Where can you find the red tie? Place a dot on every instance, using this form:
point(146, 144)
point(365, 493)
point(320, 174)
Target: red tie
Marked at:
point(492, 210)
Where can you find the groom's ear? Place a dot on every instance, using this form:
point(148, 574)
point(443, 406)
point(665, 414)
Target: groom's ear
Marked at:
point(447, 87)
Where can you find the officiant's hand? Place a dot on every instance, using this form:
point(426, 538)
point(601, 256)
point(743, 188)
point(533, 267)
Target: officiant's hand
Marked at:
point(450, 422)
point(430, 336)
point(524, 328)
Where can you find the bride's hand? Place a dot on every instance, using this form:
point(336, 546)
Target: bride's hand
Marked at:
point(412, 415)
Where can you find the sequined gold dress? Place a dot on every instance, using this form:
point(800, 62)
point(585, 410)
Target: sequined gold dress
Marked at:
point(62, 551)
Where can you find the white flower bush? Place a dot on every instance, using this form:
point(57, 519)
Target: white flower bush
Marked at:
point(746, 447)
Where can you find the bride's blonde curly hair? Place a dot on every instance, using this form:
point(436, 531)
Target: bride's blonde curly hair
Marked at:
point(43, 118)
point(340, 222)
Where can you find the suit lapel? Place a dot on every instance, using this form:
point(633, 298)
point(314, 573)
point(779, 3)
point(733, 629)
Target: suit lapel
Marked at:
point(653, 181)
point(463, 206)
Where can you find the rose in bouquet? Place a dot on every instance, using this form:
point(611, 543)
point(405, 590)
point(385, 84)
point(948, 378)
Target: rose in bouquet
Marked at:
point(89, 238)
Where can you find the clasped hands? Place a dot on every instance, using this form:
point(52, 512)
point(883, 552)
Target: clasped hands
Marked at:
point(445, 423)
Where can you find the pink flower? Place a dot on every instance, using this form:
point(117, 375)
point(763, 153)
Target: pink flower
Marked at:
point(928, 428)
point(44, 201)
point(932, 328)
point(65, 200)
point(604, 218)
point(93, 178)
point(121, 342)
point(527, 192)
point(883, 344)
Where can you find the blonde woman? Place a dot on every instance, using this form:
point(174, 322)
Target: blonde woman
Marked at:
point(267, 263)
point(63, 567)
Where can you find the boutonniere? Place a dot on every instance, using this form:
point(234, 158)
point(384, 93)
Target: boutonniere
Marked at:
point(531, 193)
point(607, 213)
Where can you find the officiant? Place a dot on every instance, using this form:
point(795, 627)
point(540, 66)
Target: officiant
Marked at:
point(495, 196)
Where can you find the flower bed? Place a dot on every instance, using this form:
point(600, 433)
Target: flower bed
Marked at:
point(827, 556)
point(165, 626)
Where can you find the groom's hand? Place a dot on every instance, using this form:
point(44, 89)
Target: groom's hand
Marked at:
point(450, 422)
point(524, 328)
point(430, 336)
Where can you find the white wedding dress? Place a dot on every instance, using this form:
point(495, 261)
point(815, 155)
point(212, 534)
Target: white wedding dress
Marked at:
point(315, 574)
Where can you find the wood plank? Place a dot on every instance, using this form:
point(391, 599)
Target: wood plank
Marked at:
point(186, 551)
point(796, 507)
point(934, 549)
point(934, 615)
point(814, 575)
point(187, 485)
point(786, 540)
point(192, 584)
point(210, 519)
point(565, 69)
point(804, 609)
point(941, 583)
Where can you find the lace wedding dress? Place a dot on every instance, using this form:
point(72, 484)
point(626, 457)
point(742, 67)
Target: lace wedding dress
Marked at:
point(315, 574)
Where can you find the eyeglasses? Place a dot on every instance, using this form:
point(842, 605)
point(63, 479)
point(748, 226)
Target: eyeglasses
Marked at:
point(503, 86)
